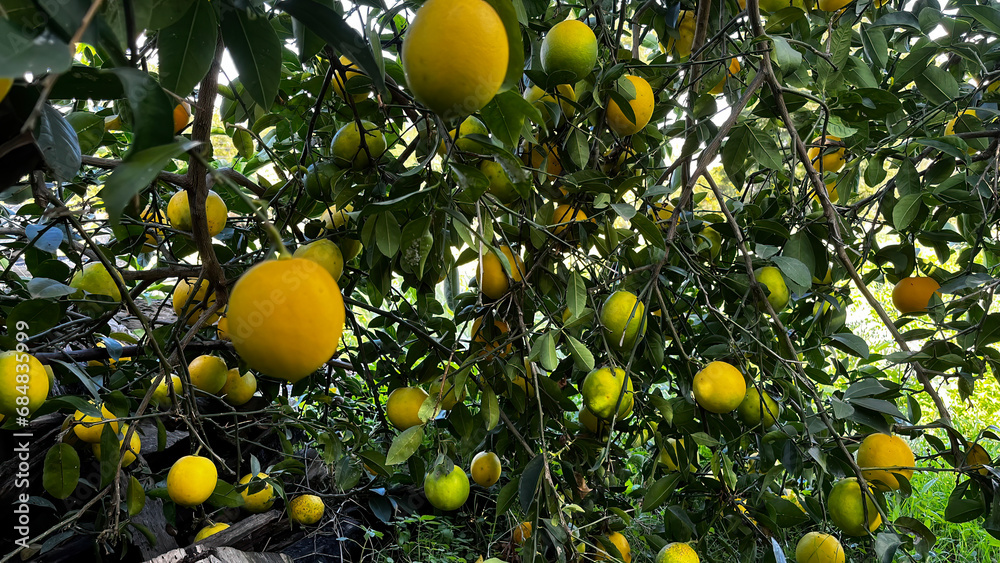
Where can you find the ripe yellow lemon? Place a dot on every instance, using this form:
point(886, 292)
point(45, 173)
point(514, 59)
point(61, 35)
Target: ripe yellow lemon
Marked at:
point(192, 311)
point(486, 469)
point(259, 501)
point(5, 84)
point(677, 553)
point(602, 389)
point(238, 389)
point(642, 108)
point(445, 389)
point(24, 384)
point(179, 212)
point(777, 290)
point(447, 491)
point(563, 218)
point(306, 509)
point(949, 128)
point(210, 530)
point(719, 387)
point(521, 533)
point(500, 185)
point(455, 55)
point(497, 334)
point(569, 48)
point(830, 147)
point(832, 5)
point(620, 543)
point(976, 458)
point(669, 456)
point(912, 294)
point(593, 424)
point(734, 68)
point(890, 454)
point(89, 428)
point(815, 547)
point(470, 126)
point(347, 149)
point(161, 395)
point(182, 116)
point(403, 406)
point(685, 31)
point(623, 317)
point(758, 408)
point(493, 280)
point(339, 82)
point(846, 506)
point(134, 445)
point(208, 373)
point(540, 98)
point(544, 157)
point(94, 278)
point(286, 317)
point(222, 328)
point(714, 240)
point(662, 213)
point(191, 480)
point(324, 252)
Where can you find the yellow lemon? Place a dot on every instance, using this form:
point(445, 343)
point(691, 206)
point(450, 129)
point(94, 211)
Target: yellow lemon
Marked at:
point(913, 294)
point(208, 373)
point(539, 98)
point(642, 108)
point(201, 301)
point(238, 389)
point(662, 214)
point(493, 280)
point(94, 278)
point(521, 533)
point(455, 55)
point(161, 395)
point(339, 82)
point(470, 126)
point(593, 424)
point(497, 333)
point(669, 456)
point(347, 149)
point(882, 458)
point(677, 553)
point(134, 445)
point(324, 252)
point(719, 387)
point(179, 212)
point(500, 185)
point(569, 48)
point(486, 469)
point(602, 389)
point(89, 428)
point(210, 530)
point(620, 543)
point(191, 480)
point(403, 406)
point(832, 149)
point(222, 328)
point(334, 218)
point(734, 68)
point(182, 116)
point(563, 218)
point(259, 501)
point(847, 508)
point(758, 408)
point(286, 317)
point(777, 290)
point(976, 458)
point(5, 84)
point(447, 491)
point(685, 31)
point(306, 509)
point(545, 158)
point(623, 317)
point(949, 128)
point(815, 547)
point(24, 384)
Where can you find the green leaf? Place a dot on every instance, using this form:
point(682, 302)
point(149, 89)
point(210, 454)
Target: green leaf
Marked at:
point(937, 85)
point(256, 52)
point(224, 495)
point(110, 454)
point(986, 15)
point(906, 210)
point(387, 234)
point(850, 343)
point(152, 109)
point(544, 351)
point(784, 55)
point(186, 48)
point(989, 332)
point(753, 141)
point(898, 20)
point(37, 314)
point(490, 408)
point(515, 59)
point(58, 143)
point(530, 479)
point(404, 445)
point(164, 13)
point(44, 288)
point(649, 231)
point(875, 46)
point(577, 148)
point(137, 172)
point(334, 30)
point(504, 115)
point(659, 492)
point(793, 269)
point(89, 129)
point(908, 68)
point(135, 498)
point(23, 53)
point(582, 356)
point(61, 471)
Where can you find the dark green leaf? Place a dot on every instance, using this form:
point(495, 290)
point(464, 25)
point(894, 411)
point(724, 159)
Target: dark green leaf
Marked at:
point(530, 478)
point(387, 234)
point(152, 109)
point(490, 408)
point(582, 356)
point(256, 52)
point(659, 492)
point(187, 47)
point(906, 210)
point(937, 84)
point(850, 343)
point(61, 472)
point(24, 53)
point(37, 314)
point(58, 143)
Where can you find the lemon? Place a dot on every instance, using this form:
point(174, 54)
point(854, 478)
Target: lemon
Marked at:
point(403, 405)
point(497, 334)
point(286, 317)
point(324, 252)
point(191, 480)
point(470, 126)
point(259, 501)
point(521, 533)
point(208, 373)
point(5, 84)
point(540, 98)
point(669, 456)
point(347, 149)
point(815, 547)
point(500, 185)
point(734, 67)
point(602, 389)
point(445, 389)
point(976, 458)
point(486, 469)
point(882, 458)
point(179, 212)
point(161, 395)
point(222, 328)
point(832, 149)
point(455, 55)
point(570, 49)
point(714, 243)
point(238, 389)
point(134, 445)
point(677, 553)
point(620, 543)
point(563, 218)
point(685, 31)
point(642, 108)
point(545, 158)
point(777, 291)
point(719, 387)
point(493, 280)
point(199, 303)
point(449, 490)
point(847, 506)
point(306, 509)
point(209, 530)
point(623, 317)
point(22, 389)
point(320, 180)
point(662, 214)
point(949, 128)
point(913, 294)
point(94, 278)
point(758, 408)
point(334, 218)
point(182, 116)
point(339, 82)
point(89, 428)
